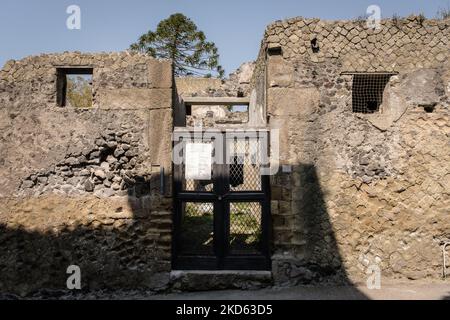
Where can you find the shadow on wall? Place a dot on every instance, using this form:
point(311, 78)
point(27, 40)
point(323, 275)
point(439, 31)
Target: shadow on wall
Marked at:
point(317, 259)
point(130, 253)
point(121, 252)
point(113, 251)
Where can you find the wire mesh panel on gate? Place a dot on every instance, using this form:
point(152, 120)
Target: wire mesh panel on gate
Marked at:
point(197, 228)
point(245, 227)
point(245, 167)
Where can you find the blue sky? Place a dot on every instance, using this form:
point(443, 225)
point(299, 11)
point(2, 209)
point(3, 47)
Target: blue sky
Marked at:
point(32, 27)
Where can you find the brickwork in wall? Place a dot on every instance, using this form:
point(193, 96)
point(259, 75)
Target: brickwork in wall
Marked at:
point(83, 186)
point(359, 189)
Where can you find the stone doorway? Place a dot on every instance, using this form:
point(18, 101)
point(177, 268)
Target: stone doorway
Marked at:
point(221, 218)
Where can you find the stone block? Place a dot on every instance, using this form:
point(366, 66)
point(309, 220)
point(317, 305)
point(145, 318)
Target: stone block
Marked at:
point(293, 102)
point(159, 74)
point(160, 138)
point(134, 98)
point(280, 72)
point(190, 85)
point(276, 192)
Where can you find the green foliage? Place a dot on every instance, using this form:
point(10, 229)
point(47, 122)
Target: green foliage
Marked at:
point(197, 226)
point(245, 228)
point(79, 92)
point(178, 38)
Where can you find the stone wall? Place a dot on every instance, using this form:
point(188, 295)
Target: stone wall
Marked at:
point(236, 85)
point(83, 186)
point(409, 43)
point(359, 189)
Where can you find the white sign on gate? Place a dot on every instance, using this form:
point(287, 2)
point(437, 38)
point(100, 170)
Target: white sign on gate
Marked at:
point(198, 161)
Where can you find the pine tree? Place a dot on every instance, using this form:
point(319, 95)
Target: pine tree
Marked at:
point(179, 39)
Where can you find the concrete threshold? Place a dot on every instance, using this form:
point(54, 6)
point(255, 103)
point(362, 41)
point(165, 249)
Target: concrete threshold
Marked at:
point(199, 280)
point(258, 273)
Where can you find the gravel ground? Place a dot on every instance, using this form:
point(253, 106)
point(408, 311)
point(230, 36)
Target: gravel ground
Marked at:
point(402, 291)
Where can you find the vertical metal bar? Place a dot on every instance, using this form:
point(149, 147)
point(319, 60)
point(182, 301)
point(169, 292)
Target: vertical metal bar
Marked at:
point(219, 212)
point(225, 201)
point(175, 212)
point(267, 217)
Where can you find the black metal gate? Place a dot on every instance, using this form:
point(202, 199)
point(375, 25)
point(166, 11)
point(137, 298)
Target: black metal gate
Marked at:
point(222, 221)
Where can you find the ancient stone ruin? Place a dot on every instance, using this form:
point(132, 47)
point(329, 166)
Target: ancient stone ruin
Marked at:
point(363, 124)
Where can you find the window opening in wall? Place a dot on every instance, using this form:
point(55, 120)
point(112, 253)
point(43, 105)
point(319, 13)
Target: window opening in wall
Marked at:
point(216, 114)
point(315, 45)
point(367, 92)
point(188, 110)
point(274, 51)
point(429, 108)
point(74, 87)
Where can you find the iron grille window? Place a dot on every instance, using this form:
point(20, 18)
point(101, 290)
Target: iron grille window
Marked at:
point(367, 92)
